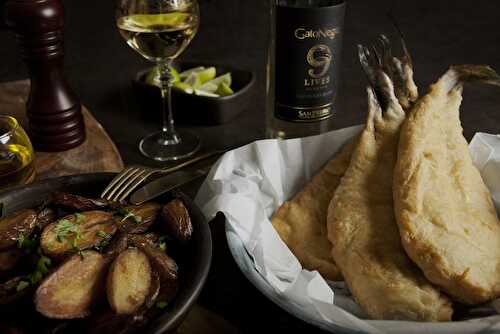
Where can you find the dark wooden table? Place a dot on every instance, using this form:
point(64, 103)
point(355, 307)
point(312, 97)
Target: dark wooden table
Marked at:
point(234, 32)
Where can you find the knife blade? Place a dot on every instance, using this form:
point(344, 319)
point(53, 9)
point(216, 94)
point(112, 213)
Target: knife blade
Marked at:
point(165, 184)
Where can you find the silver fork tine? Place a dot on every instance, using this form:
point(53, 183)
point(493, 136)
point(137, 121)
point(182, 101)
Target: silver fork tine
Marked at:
point(136, 184)
point(131, 177)
point(127, 184)
point(116, 179)
point(124, 179)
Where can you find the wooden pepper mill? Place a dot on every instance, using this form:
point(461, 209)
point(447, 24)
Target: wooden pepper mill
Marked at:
point(53, 109)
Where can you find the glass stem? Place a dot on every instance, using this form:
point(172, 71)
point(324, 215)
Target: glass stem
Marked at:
point(169, 136)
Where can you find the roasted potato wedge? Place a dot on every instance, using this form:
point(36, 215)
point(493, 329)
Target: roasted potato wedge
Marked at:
point(77, 232)
point(176, 220)
point(80, 203)
point(10, 258)
point(11, 227)
point(161, 262)
point(138, 219)
point(129, 281)
point(70, 291)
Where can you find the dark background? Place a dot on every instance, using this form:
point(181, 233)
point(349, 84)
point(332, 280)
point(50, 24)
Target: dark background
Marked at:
point(234, 32)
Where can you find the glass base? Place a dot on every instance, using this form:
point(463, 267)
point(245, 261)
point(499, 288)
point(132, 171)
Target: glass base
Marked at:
point(157, 146)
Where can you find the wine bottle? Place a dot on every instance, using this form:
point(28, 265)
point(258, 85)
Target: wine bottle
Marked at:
point(303, 66)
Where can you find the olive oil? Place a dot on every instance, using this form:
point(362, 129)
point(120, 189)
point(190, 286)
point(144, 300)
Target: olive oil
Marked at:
point(16, 165)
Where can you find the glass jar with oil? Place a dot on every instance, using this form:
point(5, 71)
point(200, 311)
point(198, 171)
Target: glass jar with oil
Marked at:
point(16, 154)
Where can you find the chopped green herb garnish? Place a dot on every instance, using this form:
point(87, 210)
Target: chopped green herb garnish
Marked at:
point(136, 219)
point(42, 268)
point(120, 213)
point(22, 285)
point(161, 305)
point(43, 264)
point(20, 240)
point(101, 234)
point(27, 244)
point(162, 244)
point(79, 217)
point(74, 244)
point(64, 228)
point(101, 245)
point(124, 215)
point(35, 277)
point(104, 242)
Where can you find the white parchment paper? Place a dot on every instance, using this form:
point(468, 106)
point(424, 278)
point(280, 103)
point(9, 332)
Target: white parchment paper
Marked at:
point(248, 184)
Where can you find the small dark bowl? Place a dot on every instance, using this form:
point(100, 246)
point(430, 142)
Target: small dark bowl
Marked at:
point(194, 109)
point(194, 263)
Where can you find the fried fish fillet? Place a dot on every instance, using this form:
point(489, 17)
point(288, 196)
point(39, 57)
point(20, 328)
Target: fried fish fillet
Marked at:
point(447, 221)
point(301, 222)
point(362, 228)
point(361, 223)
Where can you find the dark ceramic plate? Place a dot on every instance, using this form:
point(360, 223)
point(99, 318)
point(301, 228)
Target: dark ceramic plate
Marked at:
point(194, 109)
point(194, 264)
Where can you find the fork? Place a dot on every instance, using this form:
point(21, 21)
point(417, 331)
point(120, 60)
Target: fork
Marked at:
point(131, 177)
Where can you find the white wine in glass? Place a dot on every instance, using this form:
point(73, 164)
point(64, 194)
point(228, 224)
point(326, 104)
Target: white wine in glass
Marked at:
point(160, 31)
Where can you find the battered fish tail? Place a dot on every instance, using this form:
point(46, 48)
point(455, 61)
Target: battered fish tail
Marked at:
point(458, 74)
point(381, 84)
point(400, 70)
point(375, 74)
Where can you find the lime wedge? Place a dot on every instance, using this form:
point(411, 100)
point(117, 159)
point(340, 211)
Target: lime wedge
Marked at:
point(212, 85)
point(187, 73)
point(151, 20)
point(175, 74)
point(224, 90)
point(193, 80)
point(182, 86)
point(198, 78)
point(204, 93)
point(206, 75)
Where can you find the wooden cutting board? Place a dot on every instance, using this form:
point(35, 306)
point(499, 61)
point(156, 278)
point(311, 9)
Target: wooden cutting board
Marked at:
point(97, 154)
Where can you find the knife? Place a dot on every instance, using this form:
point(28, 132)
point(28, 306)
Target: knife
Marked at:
point(165, 184)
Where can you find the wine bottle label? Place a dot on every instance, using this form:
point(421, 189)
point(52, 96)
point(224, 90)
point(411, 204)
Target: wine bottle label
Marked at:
point(308, 42)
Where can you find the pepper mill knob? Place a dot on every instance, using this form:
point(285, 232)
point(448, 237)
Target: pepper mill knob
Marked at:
point(53, 109)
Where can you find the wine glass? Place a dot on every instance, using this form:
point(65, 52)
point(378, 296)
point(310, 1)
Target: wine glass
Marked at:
point(160, 30)
point(16, 154)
